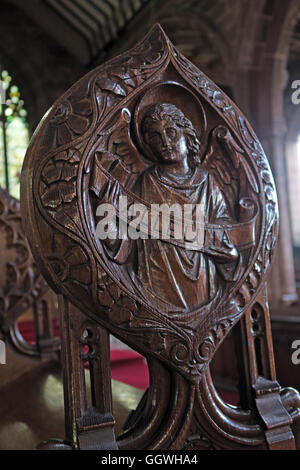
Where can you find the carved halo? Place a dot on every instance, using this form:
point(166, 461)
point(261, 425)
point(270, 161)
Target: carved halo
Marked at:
point(169, 92)
point(54, 188)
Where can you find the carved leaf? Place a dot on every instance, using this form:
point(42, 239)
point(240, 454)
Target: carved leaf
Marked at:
point(108, 84)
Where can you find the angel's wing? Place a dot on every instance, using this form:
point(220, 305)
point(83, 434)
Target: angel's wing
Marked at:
point(117, 154)
point(120, 144)
point(224, 159)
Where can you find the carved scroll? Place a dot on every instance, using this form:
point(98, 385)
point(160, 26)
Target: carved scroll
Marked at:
point(100, 120)
point(148, 126)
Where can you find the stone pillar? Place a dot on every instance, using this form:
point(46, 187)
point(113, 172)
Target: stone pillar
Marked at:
point(259, 93)
point(273, 140)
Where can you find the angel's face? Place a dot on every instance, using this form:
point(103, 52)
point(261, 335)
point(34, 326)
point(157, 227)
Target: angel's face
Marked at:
point(167, 141)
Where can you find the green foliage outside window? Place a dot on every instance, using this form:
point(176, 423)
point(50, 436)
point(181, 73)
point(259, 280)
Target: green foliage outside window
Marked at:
point(14, 135)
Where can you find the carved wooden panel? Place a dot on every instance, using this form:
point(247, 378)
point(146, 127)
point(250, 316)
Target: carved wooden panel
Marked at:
point(21, 284)
point(99, 142)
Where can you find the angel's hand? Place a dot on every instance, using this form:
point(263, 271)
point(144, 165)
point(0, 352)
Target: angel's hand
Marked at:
point(220, 254)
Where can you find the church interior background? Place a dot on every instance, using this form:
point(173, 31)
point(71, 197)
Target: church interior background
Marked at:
point(251, 49)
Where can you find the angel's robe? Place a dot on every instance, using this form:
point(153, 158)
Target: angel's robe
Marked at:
point(176, 279)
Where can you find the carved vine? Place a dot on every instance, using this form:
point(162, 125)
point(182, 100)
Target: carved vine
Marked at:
point(63, 160)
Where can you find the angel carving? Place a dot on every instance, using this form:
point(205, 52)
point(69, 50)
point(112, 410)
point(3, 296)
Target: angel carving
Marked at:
point(176, 279)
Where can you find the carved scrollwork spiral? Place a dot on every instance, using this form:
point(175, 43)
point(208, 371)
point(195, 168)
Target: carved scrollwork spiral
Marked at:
point(87, 143)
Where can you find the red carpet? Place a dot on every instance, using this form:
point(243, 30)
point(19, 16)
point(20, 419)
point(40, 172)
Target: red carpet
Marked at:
point(126, 365)
point(129, 367)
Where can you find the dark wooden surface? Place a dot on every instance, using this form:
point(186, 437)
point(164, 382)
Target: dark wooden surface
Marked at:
point(285, 323)
point(285, 330)
point(150, 126)
point(32, 406)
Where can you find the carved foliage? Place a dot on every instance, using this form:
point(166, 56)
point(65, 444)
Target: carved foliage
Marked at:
point(65, 146)
point(21, 283)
